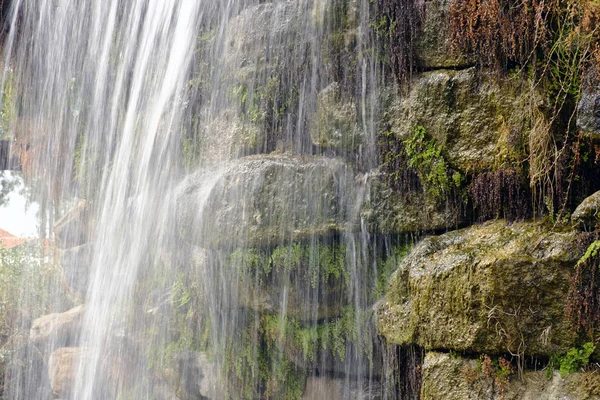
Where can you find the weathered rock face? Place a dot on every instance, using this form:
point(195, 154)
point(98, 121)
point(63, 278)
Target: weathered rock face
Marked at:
point(433, 45)
point(588, 112)
point(387, 211)
point(225, 136)
point(74, 228)
point(474, 119)
point(267, 25)
point(334, 126)
point(75, 263)
point(57, 330)
point(455, 378)
point(587, 215)
point(62, 368)
point(266, 199)
point(489, 288)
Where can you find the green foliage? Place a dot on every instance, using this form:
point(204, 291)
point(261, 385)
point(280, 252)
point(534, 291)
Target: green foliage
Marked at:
point(258, 366)
point(590, 254)
point(574, 360)
point(250, 261)
point(8, 182)
point(333, 336)
point(387, 268)
point(28, 284)
point(310, 263)
point(425, 156)
point(7, 112)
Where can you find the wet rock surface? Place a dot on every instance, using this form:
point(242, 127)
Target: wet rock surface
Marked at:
point(433, 47)
point(282, 198)
point(468, 113)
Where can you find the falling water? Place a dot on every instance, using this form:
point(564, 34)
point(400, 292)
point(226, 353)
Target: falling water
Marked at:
point(205, 155)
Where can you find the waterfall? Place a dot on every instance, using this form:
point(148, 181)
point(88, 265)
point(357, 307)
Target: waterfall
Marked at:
point(204, 160)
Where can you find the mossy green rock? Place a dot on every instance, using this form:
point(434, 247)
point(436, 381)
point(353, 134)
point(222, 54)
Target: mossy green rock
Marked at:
point(449, 377)
point(477, 119)
point(490, 288)
point(265, 200)
point(387, 211)
point(335, 124)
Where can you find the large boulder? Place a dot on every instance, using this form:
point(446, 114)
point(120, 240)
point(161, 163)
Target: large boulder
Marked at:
point(489, 288)
point(260, 200)
point(57, 330)
point(449, 377)
point(587, 214)
point(477, 119)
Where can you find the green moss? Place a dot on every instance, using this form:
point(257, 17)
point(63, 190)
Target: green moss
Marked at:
point(425, 156)
point(291, 336)
point(313, 264)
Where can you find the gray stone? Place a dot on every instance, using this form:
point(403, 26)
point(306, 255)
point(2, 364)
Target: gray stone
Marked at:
point(322, 387)
point(387, 211)
point(222, 137)
point(264, 199)
point(588, 111)
point(475, 118)
point(195, 376)
point(334, 126)
point(76, 262)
